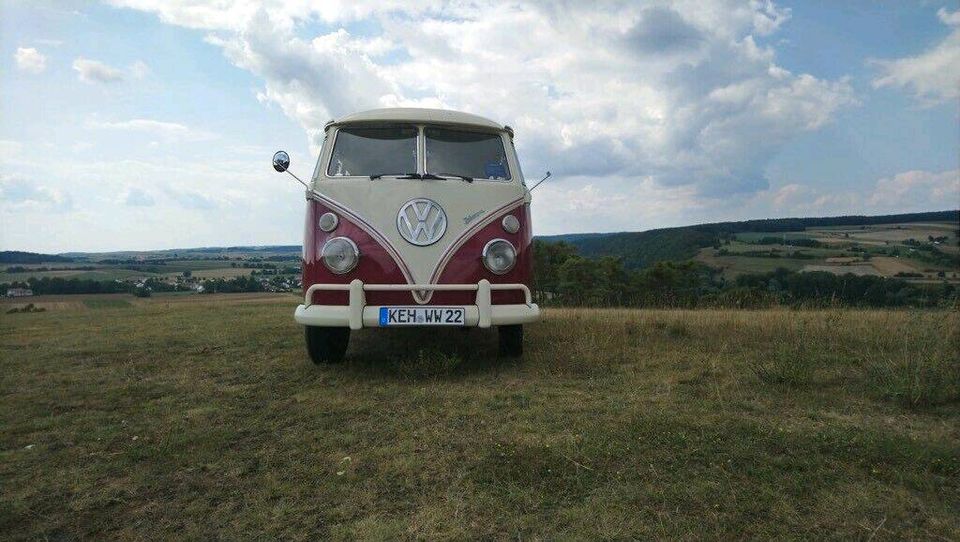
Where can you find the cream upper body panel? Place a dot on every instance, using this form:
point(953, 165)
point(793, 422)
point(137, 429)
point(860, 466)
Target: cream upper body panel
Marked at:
point(414, 115)
point(378, 202)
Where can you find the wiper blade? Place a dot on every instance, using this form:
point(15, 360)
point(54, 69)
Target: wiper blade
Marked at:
point(399, 176)
point(464, 177)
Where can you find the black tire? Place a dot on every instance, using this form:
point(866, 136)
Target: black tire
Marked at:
point(327, 344)
point(511, 341)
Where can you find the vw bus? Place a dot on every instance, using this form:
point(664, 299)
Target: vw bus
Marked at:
point(415, 217)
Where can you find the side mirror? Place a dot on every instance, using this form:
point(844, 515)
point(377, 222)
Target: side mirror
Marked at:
point(281, 161)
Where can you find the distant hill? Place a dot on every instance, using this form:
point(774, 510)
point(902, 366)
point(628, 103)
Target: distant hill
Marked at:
point(188, 252)
point(641, 249)
point(16, 256)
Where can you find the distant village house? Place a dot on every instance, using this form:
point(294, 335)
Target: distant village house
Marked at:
point(19, 292)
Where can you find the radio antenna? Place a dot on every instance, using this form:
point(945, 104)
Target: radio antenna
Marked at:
point(545, 177)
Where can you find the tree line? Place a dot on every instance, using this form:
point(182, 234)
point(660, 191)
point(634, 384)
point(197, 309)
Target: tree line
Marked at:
point(69, 286)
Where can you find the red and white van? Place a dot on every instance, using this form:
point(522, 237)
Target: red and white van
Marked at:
point(415, 217)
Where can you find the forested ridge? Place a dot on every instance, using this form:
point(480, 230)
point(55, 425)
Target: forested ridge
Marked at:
point(17, 256)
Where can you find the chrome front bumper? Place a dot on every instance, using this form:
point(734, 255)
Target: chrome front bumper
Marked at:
point(358, 314)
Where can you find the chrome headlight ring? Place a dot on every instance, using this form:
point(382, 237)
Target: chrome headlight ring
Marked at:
point(340, 255)
point(499, 256)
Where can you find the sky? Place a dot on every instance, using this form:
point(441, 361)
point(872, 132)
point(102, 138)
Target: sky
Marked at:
point(150, 124)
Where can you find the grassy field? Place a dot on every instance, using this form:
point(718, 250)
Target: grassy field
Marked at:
point(733, 266)
point(201, 418)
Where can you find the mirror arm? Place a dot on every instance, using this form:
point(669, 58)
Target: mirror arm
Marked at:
point(307, 186)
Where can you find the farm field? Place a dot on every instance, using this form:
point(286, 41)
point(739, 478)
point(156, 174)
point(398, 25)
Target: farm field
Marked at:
point(892, 233)
point(732, 266)
point(199, 417)
point(861, 250)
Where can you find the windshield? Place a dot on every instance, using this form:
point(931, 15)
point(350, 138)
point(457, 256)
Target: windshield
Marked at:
point(475, 155)
point(376, 150)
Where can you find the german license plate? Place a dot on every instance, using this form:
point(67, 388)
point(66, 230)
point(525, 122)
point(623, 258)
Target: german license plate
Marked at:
point(422, 316)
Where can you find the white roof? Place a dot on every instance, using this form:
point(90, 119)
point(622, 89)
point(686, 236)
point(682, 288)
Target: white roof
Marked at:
point(417, 115)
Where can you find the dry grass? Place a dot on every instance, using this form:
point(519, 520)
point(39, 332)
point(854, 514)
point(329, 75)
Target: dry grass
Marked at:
point(204, 420)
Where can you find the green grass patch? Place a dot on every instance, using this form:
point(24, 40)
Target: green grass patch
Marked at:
point(756, 236)
point(106, 303)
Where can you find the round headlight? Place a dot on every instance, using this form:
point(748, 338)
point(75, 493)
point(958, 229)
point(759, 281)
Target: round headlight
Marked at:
point(328, 222)
point(499, 256)
point(510, 224)
point(340, 255)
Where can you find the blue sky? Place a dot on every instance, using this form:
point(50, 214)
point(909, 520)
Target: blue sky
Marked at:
point(142, 124)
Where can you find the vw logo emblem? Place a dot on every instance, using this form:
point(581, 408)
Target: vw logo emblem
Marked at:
point(421, 222)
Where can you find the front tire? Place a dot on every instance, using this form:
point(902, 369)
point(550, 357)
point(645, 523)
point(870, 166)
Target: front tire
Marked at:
point(511, 341)
point(327, 344)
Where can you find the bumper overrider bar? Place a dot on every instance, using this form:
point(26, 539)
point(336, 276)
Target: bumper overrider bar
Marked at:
point(357, 314)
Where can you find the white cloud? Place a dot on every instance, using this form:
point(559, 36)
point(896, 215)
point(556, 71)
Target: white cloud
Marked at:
point(947, 18)
point(94, 71)
point(10, 150)
point(189, 199)
point(909, 191)
point(932, 76)
point(168, 130)
point(913, 189)
point(788, 195)
point(30, 60)
point(139, 69)
point(136, 197)
point(150, 125)
point(235, 14)
point(677, 92)
point(796, 200)
point(203, 201)
point(17, 193)
point(610, 204)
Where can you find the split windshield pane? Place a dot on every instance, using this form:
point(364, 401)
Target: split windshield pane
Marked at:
point(471, 154)
point(374, 150)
